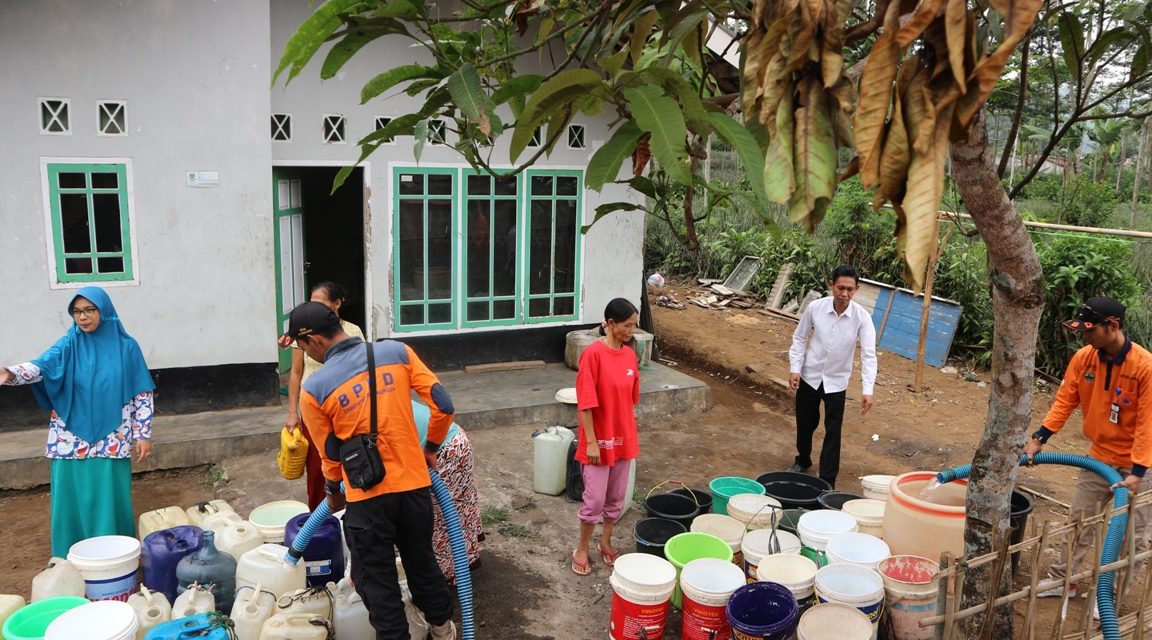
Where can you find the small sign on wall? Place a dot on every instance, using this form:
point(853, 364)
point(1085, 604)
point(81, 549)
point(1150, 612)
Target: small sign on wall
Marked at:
point(203, 178)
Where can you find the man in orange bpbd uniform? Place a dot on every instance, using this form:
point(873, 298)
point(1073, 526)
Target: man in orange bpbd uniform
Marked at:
point(396, 512)
point(1106, 379)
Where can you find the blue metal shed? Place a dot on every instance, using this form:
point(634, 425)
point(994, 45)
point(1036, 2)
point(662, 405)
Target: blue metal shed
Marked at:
point(896, 316)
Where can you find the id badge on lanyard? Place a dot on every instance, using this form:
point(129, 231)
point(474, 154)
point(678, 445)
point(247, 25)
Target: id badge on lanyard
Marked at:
point(1114, 416)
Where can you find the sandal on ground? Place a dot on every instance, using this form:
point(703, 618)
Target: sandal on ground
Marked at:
point(580, 568)
point(609, 556)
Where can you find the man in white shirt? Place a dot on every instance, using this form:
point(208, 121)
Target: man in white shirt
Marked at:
point(820, 365)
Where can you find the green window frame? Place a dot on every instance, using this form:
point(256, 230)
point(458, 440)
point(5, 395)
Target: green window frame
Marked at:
point(424, 248)
point(91, 229)
point(553, 212)
point(491, 229)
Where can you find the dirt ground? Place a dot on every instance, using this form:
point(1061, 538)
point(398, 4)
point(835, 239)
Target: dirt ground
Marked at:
point(524, 589)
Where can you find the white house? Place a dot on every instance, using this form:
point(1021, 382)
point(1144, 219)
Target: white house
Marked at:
point(144, 149)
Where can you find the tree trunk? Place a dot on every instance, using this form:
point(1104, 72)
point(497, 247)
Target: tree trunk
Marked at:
point(1136, 176)
point(1017, 301)
point(691, 239)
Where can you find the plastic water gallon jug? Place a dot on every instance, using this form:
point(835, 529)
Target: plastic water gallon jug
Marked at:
point(294, 626)
point(550, 459)
point(9, 604)
point(314, 601)
point(350, 616)
point(152, 609)
point(104, 620)
point(165, 518)
point(238, 538)
point(202, 626)
point(252, 607)
point(162, 551)
point(271, 517)
point(59, 578)
point(193, 600)
point(197, 512)
point(217, 521)
point(265, 566)
point(324, 557)
point(209, 567)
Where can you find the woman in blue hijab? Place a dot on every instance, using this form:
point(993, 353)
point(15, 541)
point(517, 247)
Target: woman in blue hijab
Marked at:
point(96, 384)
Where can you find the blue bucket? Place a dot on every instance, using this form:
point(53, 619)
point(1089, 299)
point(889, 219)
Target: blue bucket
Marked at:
point(763, 611)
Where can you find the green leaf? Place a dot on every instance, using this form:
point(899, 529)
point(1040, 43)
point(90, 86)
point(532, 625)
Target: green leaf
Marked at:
point(312, 34)
point(643, 185)
point(608, 208)
point(684, 23)
point(746, 148)
point(661, 117)
point(393, 77)
point(1141, 58)
point(518, 86)
point(605, 163)
point(343, 50)
point(614, 62)
point(1072, 42)
point(420, 133)
point(675, 85)
point(1118, 36)
point(468, 94)
point(561, 90)
point(641, 31)
point(402, 9)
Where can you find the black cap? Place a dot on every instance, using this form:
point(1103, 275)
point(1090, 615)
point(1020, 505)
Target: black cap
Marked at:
point(1095, 311)
point(306, 319)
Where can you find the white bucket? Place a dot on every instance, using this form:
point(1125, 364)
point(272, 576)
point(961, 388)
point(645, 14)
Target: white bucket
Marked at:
point(817, 527)
point(858, 548)
point(757, 546)
point(869, 514)
point(853, 585)
point(877, 487)
point(270, 518)
point(108, 620)
point(794, 571)
point(911, 596)
point(109, 565)
point(642, 586)
point(726, 528)
point(706, 584)
point(833, 621)
point(754, 511)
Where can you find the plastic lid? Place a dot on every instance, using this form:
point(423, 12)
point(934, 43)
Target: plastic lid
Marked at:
point(566, 395)
point(712, 575)
point(834, 621)
point(826, 522)
point(644, 569)
point(789, 569)
point(103, 620)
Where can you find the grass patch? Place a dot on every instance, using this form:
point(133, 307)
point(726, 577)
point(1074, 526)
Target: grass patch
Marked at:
point(517, 531)
point(490, 515)
point(214, 475)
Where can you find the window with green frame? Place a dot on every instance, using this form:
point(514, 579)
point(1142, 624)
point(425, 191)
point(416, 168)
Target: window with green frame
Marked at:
point(491, 219)
point(424, 233)
point(90, 229)
point(553, 245)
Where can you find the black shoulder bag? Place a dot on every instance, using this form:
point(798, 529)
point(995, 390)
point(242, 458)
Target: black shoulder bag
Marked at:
point(359, 454)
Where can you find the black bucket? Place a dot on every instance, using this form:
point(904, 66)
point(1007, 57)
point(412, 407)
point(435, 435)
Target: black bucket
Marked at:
point(1018, 521)
point(672, 506)
point(794, 490)
point(703, 498)
point(652, 533)
point(835, 499)
point(789, 519)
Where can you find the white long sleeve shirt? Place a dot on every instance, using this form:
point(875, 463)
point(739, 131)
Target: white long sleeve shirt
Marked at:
point(824, 346)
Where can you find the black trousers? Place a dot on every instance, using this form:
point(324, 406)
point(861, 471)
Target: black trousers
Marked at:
point(375, 528)
point(808, 419)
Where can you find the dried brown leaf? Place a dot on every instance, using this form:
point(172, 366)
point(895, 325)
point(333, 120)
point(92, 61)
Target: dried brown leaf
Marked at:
point(926, 11)
point(802, 33)
point(1021, 14)
point(779, 181)
point(917, 229)
point(956, 27)
point(875, 97)
point(896, 156)
point(815, 146)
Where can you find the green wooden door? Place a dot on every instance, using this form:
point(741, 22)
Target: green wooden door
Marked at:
point(288, 209)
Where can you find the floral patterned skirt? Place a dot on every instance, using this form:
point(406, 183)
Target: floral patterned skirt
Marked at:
point(455, 460)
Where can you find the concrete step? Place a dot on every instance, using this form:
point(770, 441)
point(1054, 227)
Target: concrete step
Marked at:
point(482, 400)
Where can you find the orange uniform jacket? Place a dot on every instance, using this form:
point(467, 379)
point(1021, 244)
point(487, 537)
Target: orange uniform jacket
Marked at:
point(335, 399)
point(1096, 386)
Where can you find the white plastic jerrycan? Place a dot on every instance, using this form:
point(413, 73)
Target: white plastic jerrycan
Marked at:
point(315, 601)
point(151, 609)
point(265, 565)
point(252, 608)
point(217, 521)
point(294, 626)
point(238, 538)
point(417, 626)
point(197, 512)
point(196, 599)
point(350, 616)
point(9, 604)
point(59, 578)
point(165, 518)
point(550, 459)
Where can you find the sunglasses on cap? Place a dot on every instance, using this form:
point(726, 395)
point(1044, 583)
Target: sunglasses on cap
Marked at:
point(1086, 318)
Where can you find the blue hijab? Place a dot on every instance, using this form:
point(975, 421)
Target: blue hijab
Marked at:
point(89, 377)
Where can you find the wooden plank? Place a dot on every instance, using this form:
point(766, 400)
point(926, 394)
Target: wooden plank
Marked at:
point(780, 312)
point(722, 290)
point(776, 297)
point(504, 366)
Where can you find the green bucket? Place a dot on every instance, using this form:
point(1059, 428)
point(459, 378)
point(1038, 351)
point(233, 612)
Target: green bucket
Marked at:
point(683, 548)
point(725, 487)
point(30, 622)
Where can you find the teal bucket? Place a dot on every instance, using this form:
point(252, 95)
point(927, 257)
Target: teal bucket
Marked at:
point(30, 622)
point(725, 487)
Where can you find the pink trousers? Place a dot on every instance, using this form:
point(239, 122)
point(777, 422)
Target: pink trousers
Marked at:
point(604, 489)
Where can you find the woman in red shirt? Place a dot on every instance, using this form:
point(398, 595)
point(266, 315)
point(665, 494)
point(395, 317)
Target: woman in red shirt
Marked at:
point(607, 391)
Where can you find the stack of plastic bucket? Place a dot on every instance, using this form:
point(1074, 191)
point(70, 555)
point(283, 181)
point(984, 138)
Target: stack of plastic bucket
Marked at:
point(869, 514)
point(642, 585)
point(794, 490)
point(762, 611)
point(706, 585)
point(757, 545)
point(857, 548)
point(754, 510)
point(911, 595)
point(816, 528)
point(702, 497)
point(726, 528)
point(30, 622)
point(853, 585)
point(793, 571)
point(686, 547)
point(876, 487)
point(109, 565)
point(672, 506)
point(652, 533)
point(836, 499)
point(106, 620)
point(833, 621)
point(725, 487)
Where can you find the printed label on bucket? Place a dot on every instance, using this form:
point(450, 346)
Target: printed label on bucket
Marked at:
point(111, 588)
point(702, 622)
point(628, 618)
point(318, 568)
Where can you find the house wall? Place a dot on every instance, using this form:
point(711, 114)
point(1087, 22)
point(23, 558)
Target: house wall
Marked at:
point(611, 262)
point(195, 77)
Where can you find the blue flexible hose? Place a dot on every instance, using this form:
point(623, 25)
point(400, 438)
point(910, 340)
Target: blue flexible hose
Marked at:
point(455, 537)
point(1105, 586)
